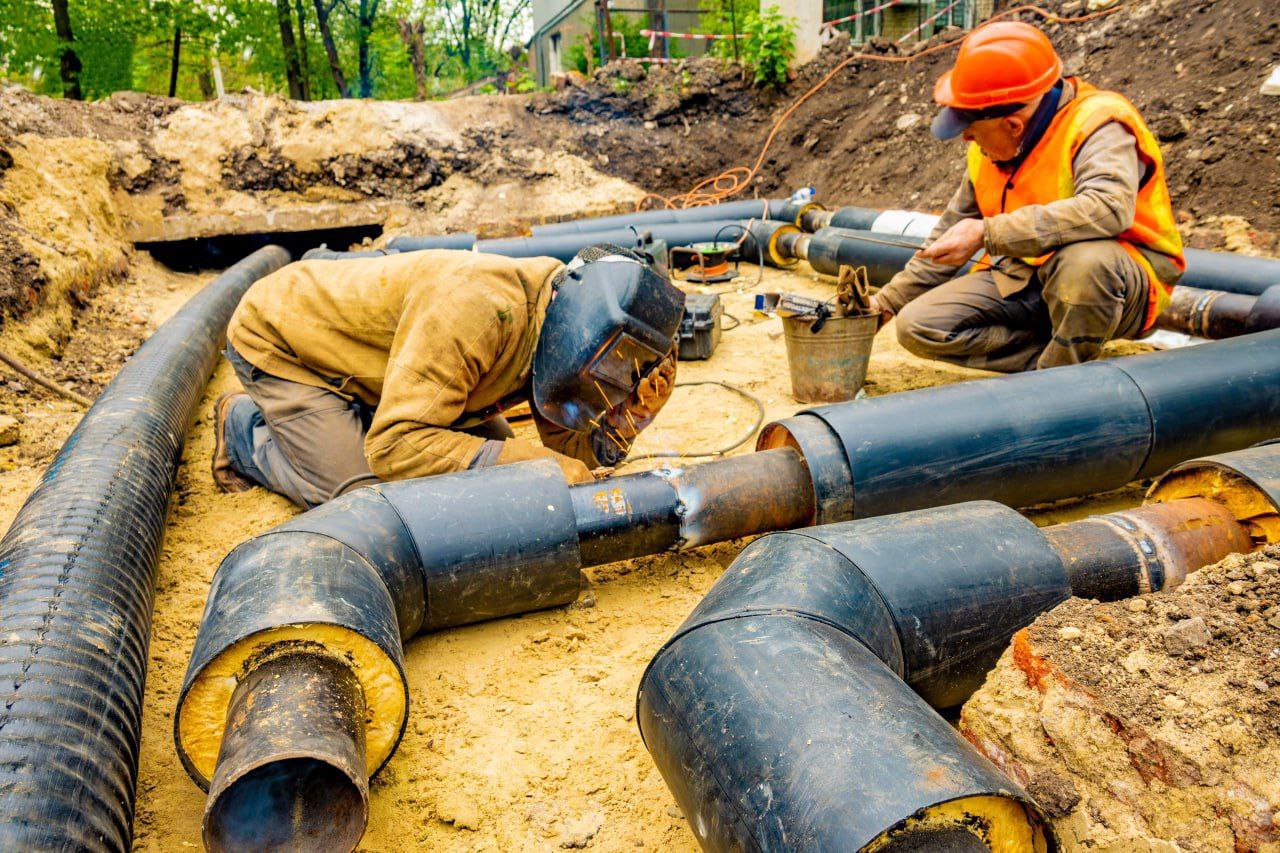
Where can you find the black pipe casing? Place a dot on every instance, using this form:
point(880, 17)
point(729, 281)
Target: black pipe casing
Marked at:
point(563, 246)
point(387, 561)
point(1265, 313)
point(854, 218)
point(493, 542)
point(781, 209)
point(831, 248)
point(1044, 435)
point(327, 254)
point(778, 713)
point(77, 568)
point(1230, 272)
point(409, 243)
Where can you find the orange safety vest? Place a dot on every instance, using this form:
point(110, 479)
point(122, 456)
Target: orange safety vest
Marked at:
point(1046, 176)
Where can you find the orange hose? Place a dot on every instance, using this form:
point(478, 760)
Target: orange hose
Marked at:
point(733, 181)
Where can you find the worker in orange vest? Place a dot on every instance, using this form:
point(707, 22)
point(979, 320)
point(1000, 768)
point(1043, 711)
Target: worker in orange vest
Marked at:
point(1064, 195)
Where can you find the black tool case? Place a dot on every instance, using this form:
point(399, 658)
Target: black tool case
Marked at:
point(700, 326)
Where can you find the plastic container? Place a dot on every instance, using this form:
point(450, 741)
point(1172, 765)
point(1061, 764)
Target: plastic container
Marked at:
point(700, 326)
point(828, 365)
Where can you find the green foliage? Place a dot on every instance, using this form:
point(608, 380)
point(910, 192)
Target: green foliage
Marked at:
point(768, 48)
point(128, 44)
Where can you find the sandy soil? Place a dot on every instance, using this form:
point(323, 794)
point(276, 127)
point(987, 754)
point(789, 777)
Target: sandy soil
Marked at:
point(521, 733)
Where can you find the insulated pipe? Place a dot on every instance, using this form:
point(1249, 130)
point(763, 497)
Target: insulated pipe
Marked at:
point(1216, 314)
point(791, 710)
point(780, 209)
point(76, 573)
point(327, 254)
point(353, 579)
point(1226, 271)
point(1034, 437)
point(761, 242)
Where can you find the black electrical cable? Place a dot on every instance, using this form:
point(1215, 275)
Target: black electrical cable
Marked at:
point(736, 322)
point(721, 451)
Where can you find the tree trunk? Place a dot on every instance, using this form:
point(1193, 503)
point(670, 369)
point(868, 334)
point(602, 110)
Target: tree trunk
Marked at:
point(411, 33)
point(364, 27)
point(70, 62)
point(291, 69)
point(173, 67)
point(301, 8)
point(330, 49)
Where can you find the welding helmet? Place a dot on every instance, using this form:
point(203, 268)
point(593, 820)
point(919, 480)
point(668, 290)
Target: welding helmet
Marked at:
point(612, 319)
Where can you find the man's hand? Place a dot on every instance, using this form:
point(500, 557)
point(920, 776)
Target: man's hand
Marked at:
point(642, 406)
point(879, 306)
point(957, 245)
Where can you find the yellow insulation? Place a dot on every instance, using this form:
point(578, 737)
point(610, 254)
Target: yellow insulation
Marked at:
point(203, 714)
point(1249, 504)
point(1004, 825)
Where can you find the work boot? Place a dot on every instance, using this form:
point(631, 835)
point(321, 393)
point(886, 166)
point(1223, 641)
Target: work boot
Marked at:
point(226, 477)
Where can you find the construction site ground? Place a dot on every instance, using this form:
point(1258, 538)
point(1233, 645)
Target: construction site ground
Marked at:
point(522, 733)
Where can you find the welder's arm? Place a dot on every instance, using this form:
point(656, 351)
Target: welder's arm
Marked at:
point(437, 357)
point(1107, 172)
point(921, 274)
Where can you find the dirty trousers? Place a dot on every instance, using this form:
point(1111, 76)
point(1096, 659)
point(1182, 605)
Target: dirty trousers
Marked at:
point(1085, 295)
point(304, 442)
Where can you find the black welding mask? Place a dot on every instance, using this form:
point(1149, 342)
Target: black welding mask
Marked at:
point(612, 319)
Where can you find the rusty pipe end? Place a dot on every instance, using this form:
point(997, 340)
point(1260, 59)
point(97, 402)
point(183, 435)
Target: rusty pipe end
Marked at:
point(291, 771)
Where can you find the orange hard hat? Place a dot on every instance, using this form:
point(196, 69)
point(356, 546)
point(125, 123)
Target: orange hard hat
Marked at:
point(1004, 62)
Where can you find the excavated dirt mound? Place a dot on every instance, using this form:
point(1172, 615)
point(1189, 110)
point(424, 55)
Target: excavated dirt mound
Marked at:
point(1151, 724)
point(1193, 68)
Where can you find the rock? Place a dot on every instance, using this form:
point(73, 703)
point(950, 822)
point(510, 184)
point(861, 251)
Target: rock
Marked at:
point(1070, 633)
point(907, 121)
point(10, 431)
point(1187, 635)
point(578, 832)
point(1272, 84)
point(1136, 605)
point(1236, 588)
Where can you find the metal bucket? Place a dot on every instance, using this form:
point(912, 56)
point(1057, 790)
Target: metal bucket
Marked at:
point(829, 365)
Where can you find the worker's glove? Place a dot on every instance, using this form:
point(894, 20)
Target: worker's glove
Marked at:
point(518, 450)
point(633, 414)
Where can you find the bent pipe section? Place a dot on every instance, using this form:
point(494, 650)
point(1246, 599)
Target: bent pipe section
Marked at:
point(76, 574)
point(761, 240)
point(1216, 314)
point(1034, 437)
point(782, 210)
point(792, 709)
point(1226, 271)
point(352, 580)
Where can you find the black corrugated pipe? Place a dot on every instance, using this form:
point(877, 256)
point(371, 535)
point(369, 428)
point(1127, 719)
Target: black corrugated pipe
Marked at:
point(792, 709)
point(76, 573)
point(1039, 436)
point(326, 601)
point(1216, 314)
point(779, 209)
point(762, 240)
point(351, 580)
point(1225, 271)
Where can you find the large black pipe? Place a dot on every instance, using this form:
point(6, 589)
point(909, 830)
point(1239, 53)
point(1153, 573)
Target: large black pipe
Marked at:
point(1225, 271)
point(76, 573)
point(761, 241)
point(491, 543)
point(355, 578)
point(791, 710)
point(779, 209)
point(1216, 314)
point(1040, 436)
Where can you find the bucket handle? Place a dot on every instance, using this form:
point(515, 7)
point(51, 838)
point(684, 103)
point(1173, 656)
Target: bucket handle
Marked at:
point(823, 311)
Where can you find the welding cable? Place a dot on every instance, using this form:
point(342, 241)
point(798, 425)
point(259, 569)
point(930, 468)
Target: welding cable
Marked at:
point(720, 451)
point(736, 179)
point(736, 322)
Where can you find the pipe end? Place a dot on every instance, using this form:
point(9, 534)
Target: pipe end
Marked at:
point(291, 771)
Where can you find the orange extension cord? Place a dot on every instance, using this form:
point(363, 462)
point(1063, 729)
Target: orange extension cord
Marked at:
point(733, 181)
